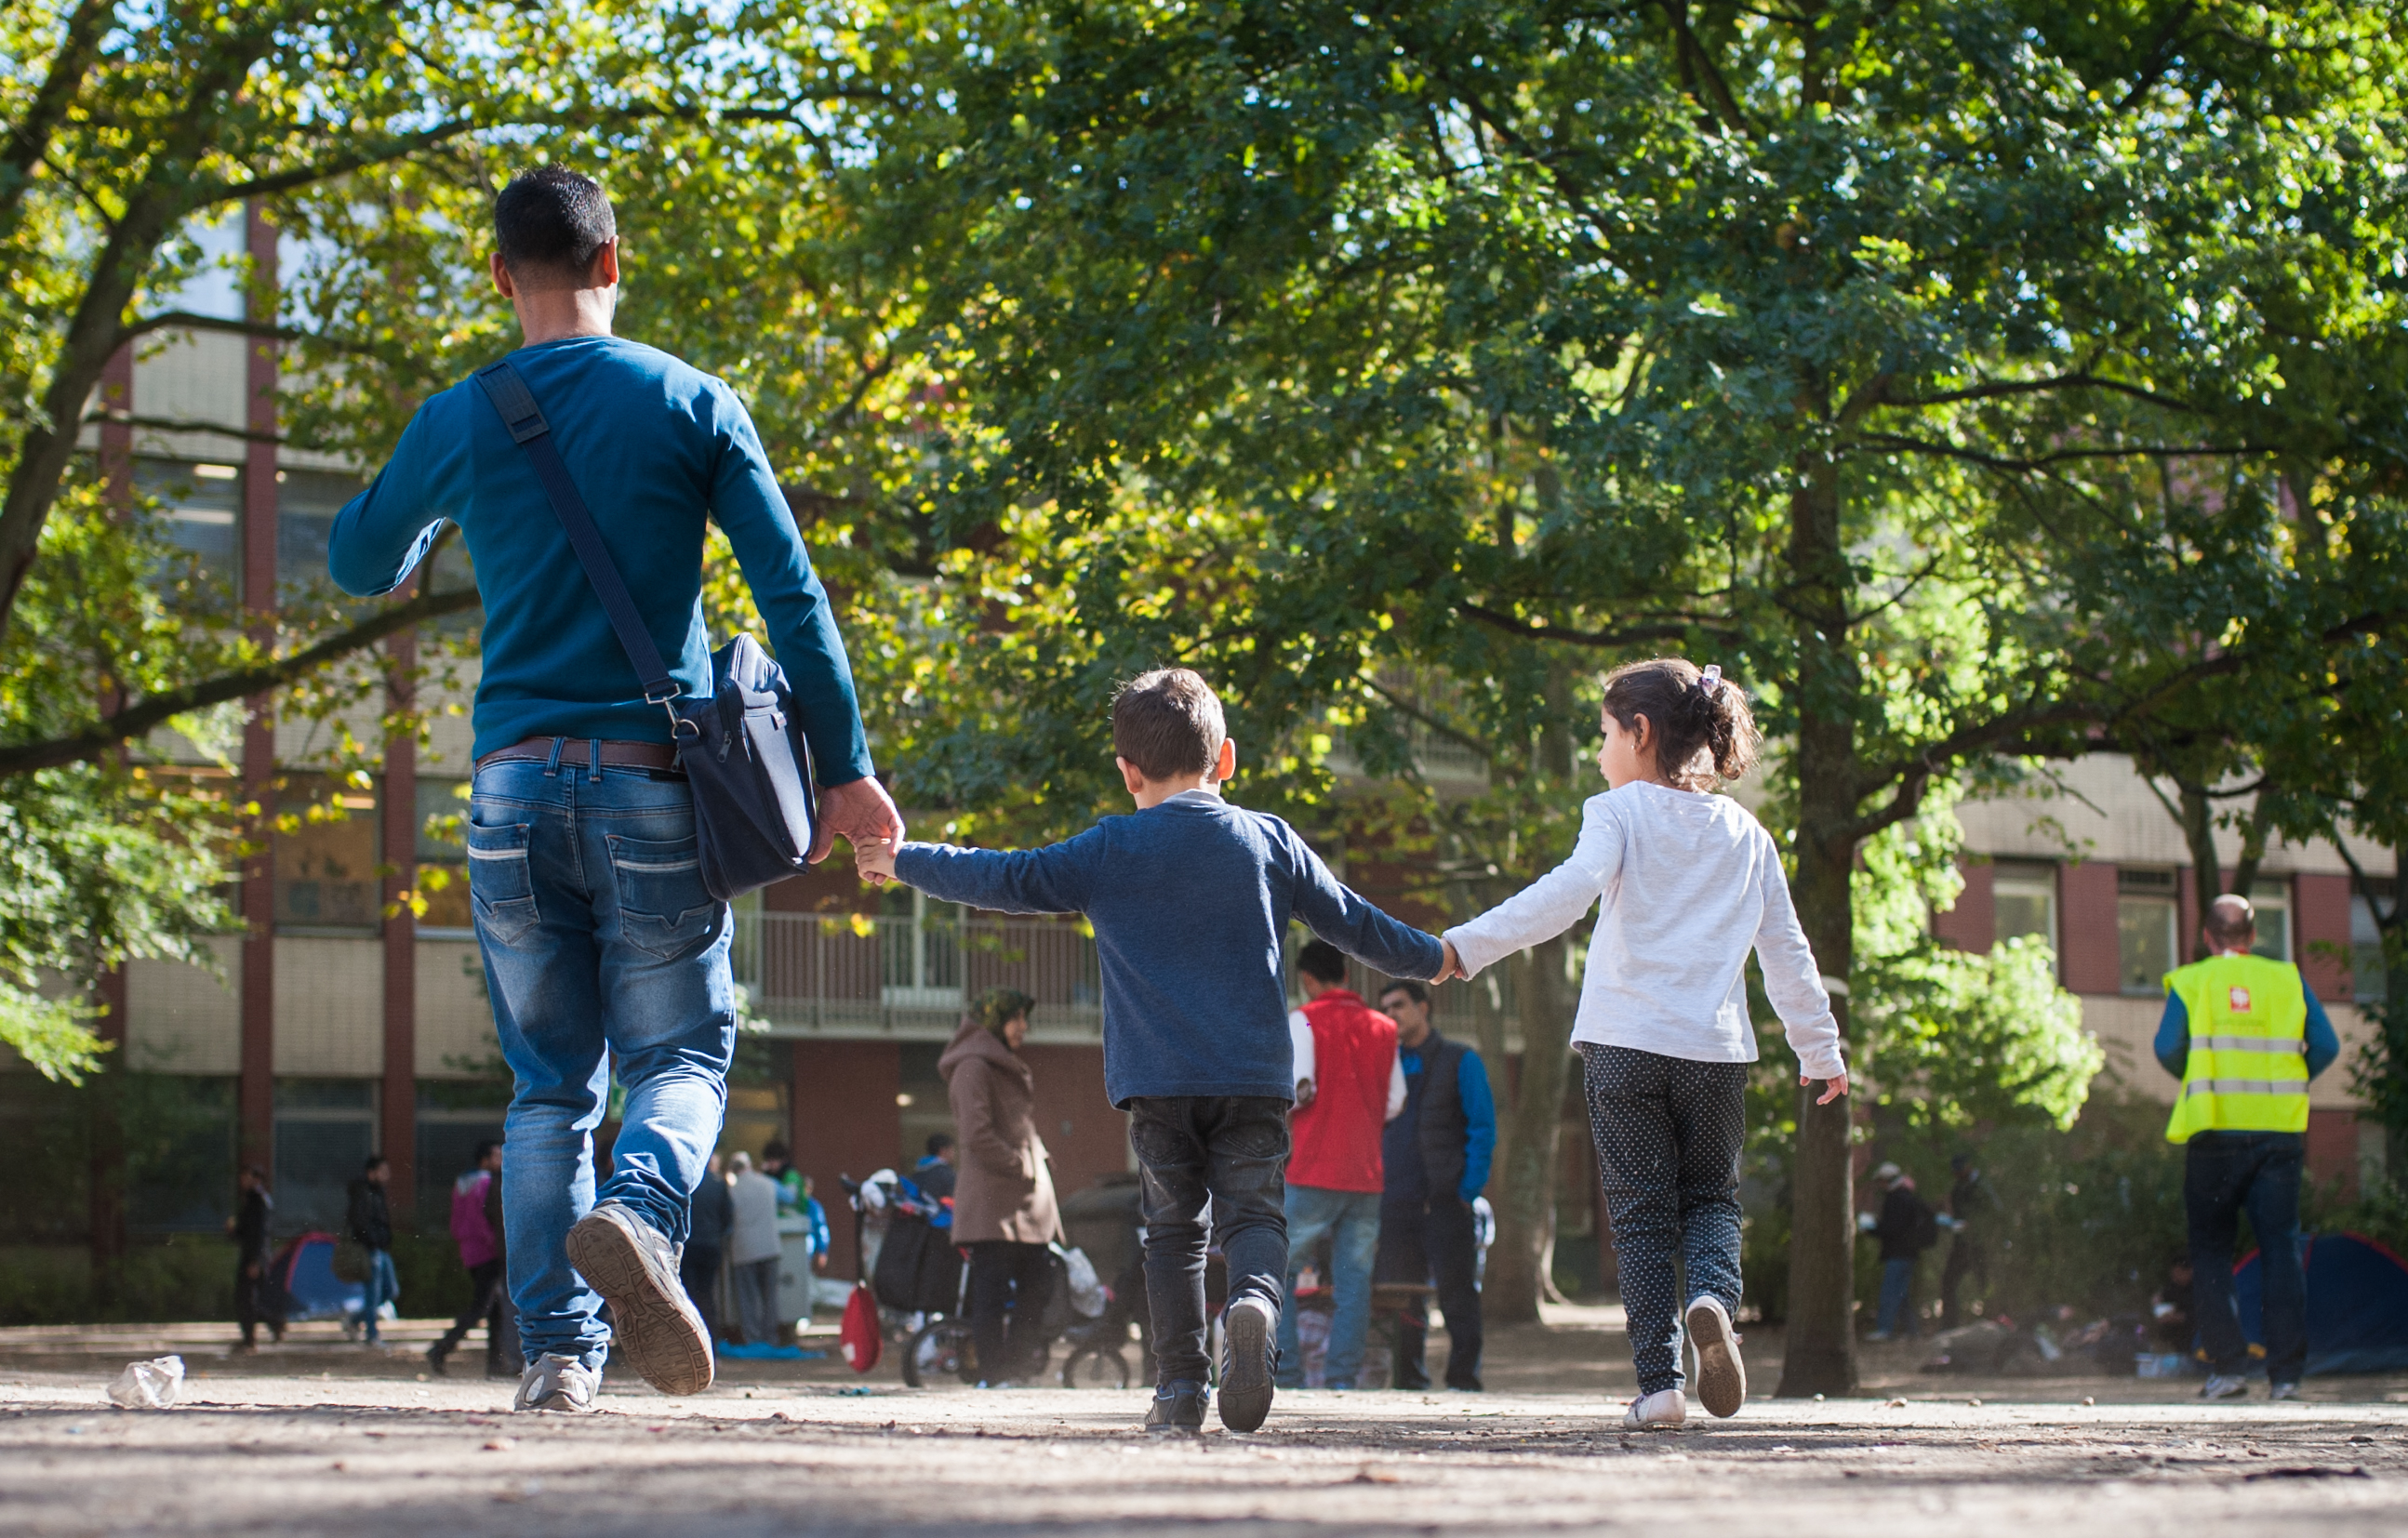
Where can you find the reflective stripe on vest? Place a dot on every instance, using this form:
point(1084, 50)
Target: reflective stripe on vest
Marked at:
point(2248, 1020)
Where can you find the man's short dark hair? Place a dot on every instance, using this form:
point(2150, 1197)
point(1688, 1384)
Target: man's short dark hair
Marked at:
point(1418, 992)
point(775, 1151)
point(1168, 722)
point(938, 1142)
point(1321, 961)
point(485, 1146)
point(550, 224)
point(374, 1163)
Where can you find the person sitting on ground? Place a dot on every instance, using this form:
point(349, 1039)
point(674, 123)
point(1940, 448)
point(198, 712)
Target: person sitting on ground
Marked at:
point(1436, 1156)
point(1348, 1087)
point(1190, 898)
point(1004, 1212)
point(936, 1173)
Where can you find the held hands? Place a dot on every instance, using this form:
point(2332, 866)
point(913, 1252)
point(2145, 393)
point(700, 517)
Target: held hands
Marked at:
point(874, 858)
point(1452, 966)
point(860, 810)
point(1839, 1086)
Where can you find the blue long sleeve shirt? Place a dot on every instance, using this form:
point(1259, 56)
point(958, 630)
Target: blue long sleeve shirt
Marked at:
point(656, 446)
point(1189, 900)
point(2172, 1045)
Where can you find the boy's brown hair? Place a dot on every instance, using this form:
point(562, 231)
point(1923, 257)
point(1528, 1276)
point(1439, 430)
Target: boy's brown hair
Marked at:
point(1168, 723)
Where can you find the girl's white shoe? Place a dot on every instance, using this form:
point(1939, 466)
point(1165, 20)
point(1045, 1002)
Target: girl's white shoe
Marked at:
point(1665, 1410)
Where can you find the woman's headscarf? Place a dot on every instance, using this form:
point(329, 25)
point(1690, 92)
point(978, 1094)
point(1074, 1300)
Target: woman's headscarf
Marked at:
point(997, 1006)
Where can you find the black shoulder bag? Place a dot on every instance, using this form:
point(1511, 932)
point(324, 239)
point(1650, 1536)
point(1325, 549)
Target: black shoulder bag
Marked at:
point(751, 769)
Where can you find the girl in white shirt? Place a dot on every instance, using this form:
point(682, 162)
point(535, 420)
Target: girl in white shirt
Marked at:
point(1690, 881)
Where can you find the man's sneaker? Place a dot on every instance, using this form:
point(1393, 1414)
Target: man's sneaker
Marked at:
point(1246, 1365)
point(2283, 1391)
point(635, 1267)
point(1178, 1408)
point(1722, 1378)
point(557, 1383)
point(2225, 1385)
point(1665, 1410)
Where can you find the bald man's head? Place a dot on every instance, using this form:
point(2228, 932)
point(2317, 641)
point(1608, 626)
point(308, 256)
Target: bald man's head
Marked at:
point(2232, 922)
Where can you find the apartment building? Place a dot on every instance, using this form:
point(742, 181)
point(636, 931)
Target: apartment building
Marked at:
point(333, 1029)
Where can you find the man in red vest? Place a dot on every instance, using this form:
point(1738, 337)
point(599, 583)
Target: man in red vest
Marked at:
point(1349, 1082)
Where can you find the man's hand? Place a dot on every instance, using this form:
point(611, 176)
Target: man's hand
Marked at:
point(1305, 1091)
point(874, 858)
point(859, 809)
point(1839, 1086)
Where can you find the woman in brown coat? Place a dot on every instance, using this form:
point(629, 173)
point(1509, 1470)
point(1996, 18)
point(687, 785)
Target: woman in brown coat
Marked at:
point(1003, 1198)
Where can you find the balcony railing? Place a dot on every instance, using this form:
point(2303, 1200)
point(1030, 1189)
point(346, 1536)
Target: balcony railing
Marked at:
point(847, 975)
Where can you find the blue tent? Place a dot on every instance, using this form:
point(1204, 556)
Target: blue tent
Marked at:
point(305, 1269)
point(2357, 1305)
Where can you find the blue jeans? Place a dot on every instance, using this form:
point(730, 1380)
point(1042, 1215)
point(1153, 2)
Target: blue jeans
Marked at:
point(1352, 1218)
point(1896, 1300)
point(605, 958)
point(383, 1286)
point(2223, 1173)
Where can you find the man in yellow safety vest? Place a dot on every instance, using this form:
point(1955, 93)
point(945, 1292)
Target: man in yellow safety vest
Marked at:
point(2244, 1036)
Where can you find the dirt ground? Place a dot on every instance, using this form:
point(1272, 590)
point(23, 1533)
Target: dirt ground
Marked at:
point(320, 1437)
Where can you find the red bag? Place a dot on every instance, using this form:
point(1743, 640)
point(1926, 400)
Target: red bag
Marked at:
point(860, 1335)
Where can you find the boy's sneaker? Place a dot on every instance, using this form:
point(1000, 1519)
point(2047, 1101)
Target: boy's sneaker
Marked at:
point(557, 1383)
point(1722, 1378)
point(635, 1267)
point(1246, 1365)
point(1665, 1410)
point(1178, 1408)
point(2225, 1385)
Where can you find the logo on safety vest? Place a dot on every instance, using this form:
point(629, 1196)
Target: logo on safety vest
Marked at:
point(2238, 1000)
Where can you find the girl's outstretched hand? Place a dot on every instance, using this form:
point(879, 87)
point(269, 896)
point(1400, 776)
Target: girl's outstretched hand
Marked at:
point(1452, 966)
point(1838, 1086)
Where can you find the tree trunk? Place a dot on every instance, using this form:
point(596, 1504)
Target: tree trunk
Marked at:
point(1822, 1340)
point(1528, 1139)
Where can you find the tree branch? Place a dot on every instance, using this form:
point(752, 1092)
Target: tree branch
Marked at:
point(1669, 631)
point(2033, 387)
point(141, 716)
point(1725, 105)
point(29, 138)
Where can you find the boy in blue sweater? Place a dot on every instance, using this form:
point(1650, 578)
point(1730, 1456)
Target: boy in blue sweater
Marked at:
point(1189, 897)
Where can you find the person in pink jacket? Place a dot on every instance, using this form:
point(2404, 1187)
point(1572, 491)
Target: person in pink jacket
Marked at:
point(477, 1228)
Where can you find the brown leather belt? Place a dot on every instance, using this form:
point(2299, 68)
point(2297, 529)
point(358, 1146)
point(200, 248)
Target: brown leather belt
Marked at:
point(578, 753)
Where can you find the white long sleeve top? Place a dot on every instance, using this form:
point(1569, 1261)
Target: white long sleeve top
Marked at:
point(1689, 882)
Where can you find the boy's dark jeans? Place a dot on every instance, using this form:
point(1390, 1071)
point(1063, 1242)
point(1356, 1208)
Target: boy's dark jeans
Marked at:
point(1227, 1154)
point(2223, 1173)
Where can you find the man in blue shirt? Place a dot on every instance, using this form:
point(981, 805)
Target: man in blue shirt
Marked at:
point(1435, 1153)
point(605, 955)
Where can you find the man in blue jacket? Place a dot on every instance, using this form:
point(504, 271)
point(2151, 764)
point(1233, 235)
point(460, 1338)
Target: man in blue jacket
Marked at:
point(604, 953)
point(1435, 1153)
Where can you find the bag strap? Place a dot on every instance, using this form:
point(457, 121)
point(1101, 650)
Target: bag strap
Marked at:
point(508, 391)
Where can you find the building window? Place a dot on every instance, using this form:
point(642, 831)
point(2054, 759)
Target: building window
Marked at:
point(2367, 977)
point(443, 860)
point(326, 858)
point(200, 512)
point(306, 501)
point(2148, 916)
point(2023, 901)
point(453, 1117)
point(325, 1129)
point(2272, 901)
